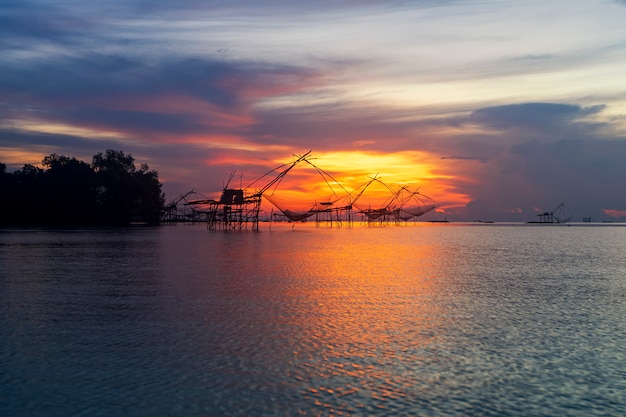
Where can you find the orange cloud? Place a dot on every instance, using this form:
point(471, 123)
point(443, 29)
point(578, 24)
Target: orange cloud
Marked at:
point(614, 213)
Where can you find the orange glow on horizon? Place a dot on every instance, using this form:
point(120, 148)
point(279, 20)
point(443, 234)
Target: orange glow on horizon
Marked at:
point(20, 157)
point(344, 177)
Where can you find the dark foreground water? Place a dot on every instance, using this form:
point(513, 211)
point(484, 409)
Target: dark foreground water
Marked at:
point(425, 320)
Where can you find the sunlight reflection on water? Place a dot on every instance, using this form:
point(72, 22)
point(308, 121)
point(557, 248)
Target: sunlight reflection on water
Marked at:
point(417, 320)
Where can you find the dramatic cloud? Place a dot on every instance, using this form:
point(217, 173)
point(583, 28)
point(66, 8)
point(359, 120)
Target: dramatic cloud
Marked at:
point(517, 109)
point(553, 154)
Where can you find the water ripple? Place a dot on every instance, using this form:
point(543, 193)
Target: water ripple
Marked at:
point(429, 321)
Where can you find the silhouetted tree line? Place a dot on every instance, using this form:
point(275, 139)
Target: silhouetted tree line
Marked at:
point(68, 192)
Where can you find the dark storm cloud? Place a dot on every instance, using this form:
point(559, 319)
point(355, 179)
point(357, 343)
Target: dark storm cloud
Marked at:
point(136, 121)
point(101, 90)
point(548, 153)
point(585, 174)
point(506, 125)
point(110, 75)
point(376, 129)
point(546, 117)
point(72, 77)
point(586, 165)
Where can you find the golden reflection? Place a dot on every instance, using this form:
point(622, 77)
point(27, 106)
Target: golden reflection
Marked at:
point(370, 305)
point(344, 315)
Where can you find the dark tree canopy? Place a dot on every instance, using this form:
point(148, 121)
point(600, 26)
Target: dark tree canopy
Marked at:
point(69, 192)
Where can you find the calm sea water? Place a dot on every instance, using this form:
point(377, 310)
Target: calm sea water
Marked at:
point(422, 320)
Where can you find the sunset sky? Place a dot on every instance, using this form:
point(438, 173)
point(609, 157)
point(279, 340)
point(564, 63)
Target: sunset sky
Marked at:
point(496, 109)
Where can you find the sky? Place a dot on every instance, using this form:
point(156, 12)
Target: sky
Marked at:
point(499, 110)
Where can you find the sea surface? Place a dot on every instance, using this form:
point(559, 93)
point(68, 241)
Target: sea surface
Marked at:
point(416, 320)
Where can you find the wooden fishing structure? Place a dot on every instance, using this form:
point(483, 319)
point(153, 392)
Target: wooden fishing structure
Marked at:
point(559, 214)
point(240, 208)
point(333, 208)
point(184, 209)
point(402, 205)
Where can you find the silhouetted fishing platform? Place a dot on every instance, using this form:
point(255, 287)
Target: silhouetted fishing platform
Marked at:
point(240, 208)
